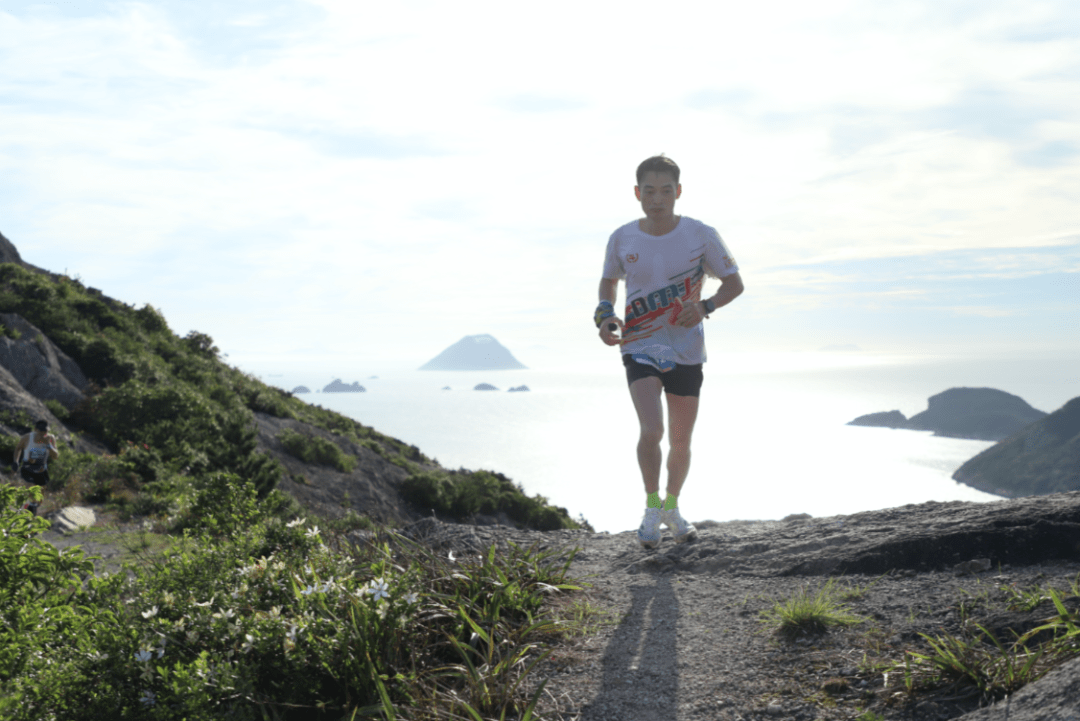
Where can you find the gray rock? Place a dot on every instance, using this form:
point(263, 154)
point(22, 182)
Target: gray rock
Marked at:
point(73, 518)
point(975, 565)
point(1055, 696)
point(38, 365)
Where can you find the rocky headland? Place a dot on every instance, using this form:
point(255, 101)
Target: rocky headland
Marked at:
point(984, 414)
point(1043, 457)
point(474, 353)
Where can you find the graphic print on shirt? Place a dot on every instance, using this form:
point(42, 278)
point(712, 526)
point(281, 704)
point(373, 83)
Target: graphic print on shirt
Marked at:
point(647, 312)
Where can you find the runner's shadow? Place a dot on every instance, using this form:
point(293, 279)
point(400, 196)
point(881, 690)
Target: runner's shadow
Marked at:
point(641, 661)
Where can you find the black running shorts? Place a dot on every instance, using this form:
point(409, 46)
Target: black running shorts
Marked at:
point(41, 479)
point(683, 380)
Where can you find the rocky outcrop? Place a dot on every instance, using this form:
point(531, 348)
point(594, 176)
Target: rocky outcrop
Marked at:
point(518, 389)
point(373, 487)
point(885, 419)
point(1042, 458)
point(38, 365)
point(336, 386)
point(984, 414)
point(474, 353)
point(484, 387)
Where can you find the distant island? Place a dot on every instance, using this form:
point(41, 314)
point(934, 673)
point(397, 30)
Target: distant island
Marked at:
point(301, 389)
point(336, 386)
point(1042, 458)
point(984, 414)
point(474, 353)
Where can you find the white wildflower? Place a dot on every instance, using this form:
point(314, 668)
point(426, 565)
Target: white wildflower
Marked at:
point(411, 598)
point(151, 613)
point(379, 589)
point(312, 532)
point(144, 655)
point(148, 698)
point(297, 522)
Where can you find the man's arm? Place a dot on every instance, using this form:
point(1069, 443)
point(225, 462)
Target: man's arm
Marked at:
point(608, 290)
point(731, 287)
point(19, 448)
point(53, 453)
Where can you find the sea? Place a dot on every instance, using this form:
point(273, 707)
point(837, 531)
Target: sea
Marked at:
point(771, 437)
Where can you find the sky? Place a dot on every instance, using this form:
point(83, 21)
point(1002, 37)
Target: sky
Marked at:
point(374, 181)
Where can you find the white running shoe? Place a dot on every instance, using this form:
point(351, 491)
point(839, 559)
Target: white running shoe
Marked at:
point(682, 529)
point(648, 535)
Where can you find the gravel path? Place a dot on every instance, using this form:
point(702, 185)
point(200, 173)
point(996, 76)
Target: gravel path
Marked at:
point(685, 639)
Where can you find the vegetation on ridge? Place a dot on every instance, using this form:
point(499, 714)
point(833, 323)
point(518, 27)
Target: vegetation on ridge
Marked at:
point(172, 411)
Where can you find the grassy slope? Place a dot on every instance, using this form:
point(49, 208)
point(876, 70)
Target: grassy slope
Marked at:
point(164, 403)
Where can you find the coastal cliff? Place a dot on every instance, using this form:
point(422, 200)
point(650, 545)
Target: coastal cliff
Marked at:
point(1042, 458)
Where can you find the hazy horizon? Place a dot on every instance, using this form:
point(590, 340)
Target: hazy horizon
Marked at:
point(301, 178)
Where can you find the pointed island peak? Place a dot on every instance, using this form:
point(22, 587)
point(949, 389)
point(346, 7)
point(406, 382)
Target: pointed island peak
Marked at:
point(474, 353)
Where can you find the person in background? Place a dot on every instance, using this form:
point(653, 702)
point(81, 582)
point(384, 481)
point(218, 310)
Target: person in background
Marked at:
point(32, 456)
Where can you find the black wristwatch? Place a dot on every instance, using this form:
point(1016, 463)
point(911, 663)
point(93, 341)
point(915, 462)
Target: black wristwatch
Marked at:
point(709, 305)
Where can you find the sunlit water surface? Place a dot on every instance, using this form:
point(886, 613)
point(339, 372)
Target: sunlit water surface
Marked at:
point(770, 440)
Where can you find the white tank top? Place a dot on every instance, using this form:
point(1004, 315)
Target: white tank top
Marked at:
point(36, 455)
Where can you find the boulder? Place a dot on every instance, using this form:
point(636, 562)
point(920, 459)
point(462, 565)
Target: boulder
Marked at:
point(38, 365)
point(473, 353)
point(885, 419)
point(1042, 458)
point(336, 386)
point(72, 518)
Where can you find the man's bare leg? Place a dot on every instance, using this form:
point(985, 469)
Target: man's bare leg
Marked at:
point(682, 414)
point(646, 396)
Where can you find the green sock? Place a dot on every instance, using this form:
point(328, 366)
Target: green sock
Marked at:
point(652, 500)
point(671, 502)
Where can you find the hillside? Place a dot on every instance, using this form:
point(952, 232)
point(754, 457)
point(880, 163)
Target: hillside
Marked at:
point(1042, 458)
point(145, 416)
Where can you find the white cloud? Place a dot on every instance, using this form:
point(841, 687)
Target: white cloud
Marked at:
point(361, 170)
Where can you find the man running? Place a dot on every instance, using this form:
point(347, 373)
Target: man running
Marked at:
point(34, 451)
point(664, 259)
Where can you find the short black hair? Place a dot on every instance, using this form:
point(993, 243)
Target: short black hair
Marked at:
point(658, 164)
point(42, 425)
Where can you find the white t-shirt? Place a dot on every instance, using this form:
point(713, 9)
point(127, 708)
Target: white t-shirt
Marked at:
point(662, 273)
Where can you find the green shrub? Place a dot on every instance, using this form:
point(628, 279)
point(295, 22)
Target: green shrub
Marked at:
point(314, 449)
point(7, 448)
point(461, 494)
point(57, 408)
